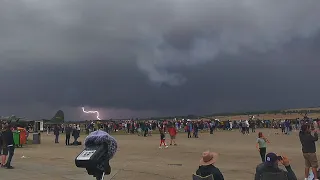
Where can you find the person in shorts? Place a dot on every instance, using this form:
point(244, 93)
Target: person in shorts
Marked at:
point(173, 133)
point(309, 150)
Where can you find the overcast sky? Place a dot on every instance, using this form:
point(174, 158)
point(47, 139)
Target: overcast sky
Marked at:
point(157, 57)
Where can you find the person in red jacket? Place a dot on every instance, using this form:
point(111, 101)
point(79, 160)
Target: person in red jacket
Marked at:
point(173, 133)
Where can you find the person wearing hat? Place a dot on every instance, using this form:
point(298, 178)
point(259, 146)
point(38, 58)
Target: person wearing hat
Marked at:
point(207, 166)
point(270, 169)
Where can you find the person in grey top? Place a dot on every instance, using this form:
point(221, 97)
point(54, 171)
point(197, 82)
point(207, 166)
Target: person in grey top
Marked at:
point(262, 146)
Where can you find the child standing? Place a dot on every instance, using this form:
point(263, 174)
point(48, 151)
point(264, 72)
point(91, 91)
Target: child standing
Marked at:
point(162, 139)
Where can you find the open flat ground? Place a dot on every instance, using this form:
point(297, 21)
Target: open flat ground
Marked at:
point(139, 157)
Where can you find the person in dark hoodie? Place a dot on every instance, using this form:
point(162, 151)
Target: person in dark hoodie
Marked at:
point(207, 167)
point(270, 170)
point(309, 149)
point(76, 135)
point(8, 144)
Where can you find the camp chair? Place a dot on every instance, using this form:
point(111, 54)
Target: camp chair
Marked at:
point(197, 177)
point(274, 176)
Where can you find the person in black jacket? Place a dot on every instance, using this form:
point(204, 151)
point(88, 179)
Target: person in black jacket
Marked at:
point(68, 134)
point(309, 149)
point(269, 169)
point(207, 166)
point(8, 144)
point(56, 132)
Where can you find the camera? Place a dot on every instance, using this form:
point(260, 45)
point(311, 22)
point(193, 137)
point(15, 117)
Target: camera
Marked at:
point(100, 147)
point(94, 159)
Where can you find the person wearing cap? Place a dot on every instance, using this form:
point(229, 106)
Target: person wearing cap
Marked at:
point(309, 149)
point(270, 169)
point(207, 166)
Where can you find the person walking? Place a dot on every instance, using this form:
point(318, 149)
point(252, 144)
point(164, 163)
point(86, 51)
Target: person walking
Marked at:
point(262, 146)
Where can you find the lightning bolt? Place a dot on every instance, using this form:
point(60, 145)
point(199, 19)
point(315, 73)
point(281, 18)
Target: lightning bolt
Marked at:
point(91, 112)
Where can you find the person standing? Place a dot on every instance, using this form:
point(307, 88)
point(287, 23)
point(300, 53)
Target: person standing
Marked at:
point(262, 146)
point(56, 132)
point(75, 134)
point(8, 145)
point(162, 139)
point(68, 134)
point(2, 149)
point(253, 126)
point(189, 129)
point(173, 133)
point(309, 150)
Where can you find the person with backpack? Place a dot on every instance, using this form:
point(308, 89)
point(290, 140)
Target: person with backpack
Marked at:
point(270, 169)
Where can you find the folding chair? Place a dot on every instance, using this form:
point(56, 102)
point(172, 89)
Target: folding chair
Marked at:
point(197, 177)
point(274, 176)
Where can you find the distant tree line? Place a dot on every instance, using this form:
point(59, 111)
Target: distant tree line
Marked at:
point(275, 112)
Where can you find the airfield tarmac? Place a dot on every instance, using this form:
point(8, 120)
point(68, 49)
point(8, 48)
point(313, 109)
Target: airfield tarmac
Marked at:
point(139, 158)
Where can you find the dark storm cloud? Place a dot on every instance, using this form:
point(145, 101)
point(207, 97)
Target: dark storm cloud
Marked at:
point(157, 57)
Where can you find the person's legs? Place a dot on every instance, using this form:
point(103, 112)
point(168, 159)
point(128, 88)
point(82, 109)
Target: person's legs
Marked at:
point(314, 164)
point(161, 142)
point(67, 139)
point(263, 154)
point(75, 141)
point(174, 140)
point(4, 156)
point(307, 165)
point(11, 153)
point(56, 139)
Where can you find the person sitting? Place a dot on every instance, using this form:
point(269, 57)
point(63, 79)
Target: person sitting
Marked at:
point(207, 169)
point(270, 170)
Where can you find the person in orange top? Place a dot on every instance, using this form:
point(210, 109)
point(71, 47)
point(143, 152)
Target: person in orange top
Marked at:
point(173, 133)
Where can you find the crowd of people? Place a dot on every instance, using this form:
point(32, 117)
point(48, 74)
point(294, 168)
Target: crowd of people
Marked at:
point(268, 169)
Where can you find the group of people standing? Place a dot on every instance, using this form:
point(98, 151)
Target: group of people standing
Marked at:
point(308, 136)
point(69, 130)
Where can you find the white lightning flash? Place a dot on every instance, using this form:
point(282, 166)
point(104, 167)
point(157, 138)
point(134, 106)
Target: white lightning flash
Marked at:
point(92, 112)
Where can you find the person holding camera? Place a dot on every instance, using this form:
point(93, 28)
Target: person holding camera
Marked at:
point(270, 169)
point(309, 150)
